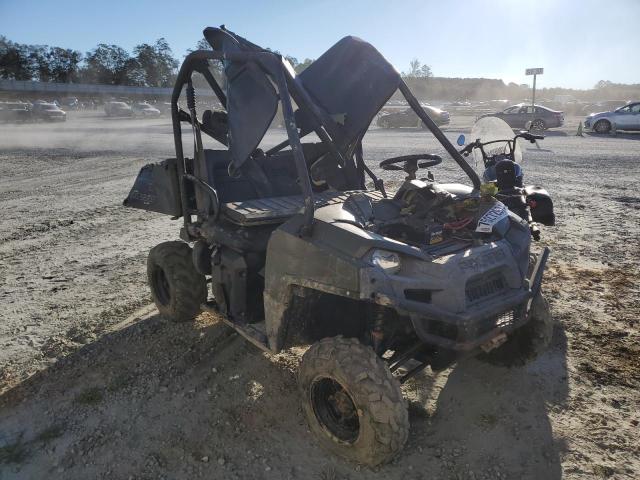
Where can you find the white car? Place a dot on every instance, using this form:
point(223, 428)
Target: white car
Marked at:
point(117, 109)
point(623, 118)
point(143, 109)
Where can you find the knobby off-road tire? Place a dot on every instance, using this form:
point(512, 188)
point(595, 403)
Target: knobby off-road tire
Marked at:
point(177, 288)
point(527, 342)
point(353, 405)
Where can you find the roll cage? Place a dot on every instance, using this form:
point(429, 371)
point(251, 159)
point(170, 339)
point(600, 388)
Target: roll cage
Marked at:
point(337, 97)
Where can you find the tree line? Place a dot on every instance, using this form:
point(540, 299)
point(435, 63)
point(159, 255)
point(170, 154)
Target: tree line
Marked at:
point(154, 65)
point(148, 65)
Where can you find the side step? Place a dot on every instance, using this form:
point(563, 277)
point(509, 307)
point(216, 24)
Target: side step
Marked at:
point(256, 333)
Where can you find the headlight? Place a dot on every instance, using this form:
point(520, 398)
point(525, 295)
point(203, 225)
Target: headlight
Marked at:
point(387, 261)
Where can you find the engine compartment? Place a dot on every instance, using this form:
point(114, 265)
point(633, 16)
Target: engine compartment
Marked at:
point(423, 213)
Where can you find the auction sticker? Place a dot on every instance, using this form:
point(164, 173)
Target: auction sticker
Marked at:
point(491, 217)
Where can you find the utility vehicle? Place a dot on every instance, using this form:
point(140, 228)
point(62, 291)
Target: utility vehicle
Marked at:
point(301, 244)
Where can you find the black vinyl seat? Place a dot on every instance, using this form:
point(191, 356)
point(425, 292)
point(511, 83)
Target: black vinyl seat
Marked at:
point(242, 193)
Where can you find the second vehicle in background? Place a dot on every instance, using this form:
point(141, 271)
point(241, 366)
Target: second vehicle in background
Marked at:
point(48, 112)
point(408, 118)
point(118, 109)
point(143, 109)
point(541, 118)
point(14, 112)
point(623, 118)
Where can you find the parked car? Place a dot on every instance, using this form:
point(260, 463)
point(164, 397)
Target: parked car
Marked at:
point(408, 118)
point(541, 118)
point(624, 118)
point(48, 112)
point(606, 106)
point(11, 112)
point(118, 109)
point(70, 103)
point(164, 107)
point(143, 109)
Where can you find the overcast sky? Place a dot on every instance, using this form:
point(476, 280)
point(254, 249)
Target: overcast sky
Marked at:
point(577, 42)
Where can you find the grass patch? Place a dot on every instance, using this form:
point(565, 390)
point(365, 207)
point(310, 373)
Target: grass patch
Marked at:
point(90, 396)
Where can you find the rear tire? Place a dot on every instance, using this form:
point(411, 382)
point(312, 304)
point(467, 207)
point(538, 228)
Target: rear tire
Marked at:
point(538, 124)
point(527, 342)
point(353, 405)
point(177, 288)
point(602, 126)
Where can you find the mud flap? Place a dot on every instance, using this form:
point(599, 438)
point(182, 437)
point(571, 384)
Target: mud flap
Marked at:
point(156, 189)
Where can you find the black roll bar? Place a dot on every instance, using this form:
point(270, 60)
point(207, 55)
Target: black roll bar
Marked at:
point(272, 63)
point(449, 147)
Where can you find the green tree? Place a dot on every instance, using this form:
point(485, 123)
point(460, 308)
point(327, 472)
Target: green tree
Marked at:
point(157, 62)
point(418, 70)
point(63, 64)
point(112, 65)
point(15, 63)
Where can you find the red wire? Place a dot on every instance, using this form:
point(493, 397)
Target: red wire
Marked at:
point(458, 224)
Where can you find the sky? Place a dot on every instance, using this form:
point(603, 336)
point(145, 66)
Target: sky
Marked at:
point(577, 42)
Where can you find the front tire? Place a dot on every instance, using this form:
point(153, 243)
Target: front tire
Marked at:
point(353, 405)
point(177, 288)
point(527, 342)
point(602, 126)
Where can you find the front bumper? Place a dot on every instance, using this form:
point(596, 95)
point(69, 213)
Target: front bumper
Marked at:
point(476, 325)
point(55, 118)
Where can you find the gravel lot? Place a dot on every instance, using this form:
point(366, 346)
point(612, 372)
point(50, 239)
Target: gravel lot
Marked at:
point(94, 384)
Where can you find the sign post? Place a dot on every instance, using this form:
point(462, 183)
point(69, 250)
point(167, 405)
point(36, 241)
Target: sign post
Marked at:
point(535, 72)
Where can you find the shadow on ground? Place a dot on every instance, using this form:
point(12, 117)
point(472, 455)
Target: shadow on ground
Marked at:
point(162, 400)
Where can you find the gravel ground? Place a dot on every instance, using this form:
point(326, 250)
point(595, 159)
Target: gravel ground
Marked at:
point(94, 384)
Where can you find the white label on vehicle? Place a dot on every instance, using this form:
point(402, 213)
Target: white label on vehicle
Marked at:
point(491, 217)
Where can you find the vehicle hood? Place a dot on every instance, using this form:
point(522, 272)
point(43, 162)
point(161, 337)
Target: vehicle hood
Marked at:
point(437, 111)
point(339, 227)
point(598, 114)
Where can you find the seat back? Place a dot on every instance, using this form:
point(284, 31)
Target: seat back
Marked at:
point(279, 170)
point(351, 82)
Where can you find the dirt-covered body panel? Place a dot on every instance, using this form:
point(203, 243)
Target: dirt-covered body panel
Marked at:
point(453, 299)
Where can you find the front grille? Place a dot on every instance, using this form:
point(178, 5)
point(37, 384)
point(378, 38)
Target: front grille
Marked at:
point(485, 286)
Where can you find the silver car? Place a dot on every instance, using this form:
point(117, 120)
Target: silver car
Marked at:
point(623, 118)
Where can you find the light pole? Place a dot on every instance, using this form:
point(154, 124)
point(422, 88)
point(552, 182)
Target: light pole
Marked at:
point(535, 72)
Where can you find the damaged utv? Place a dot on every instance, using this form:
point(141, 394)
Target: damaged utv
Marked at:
point(298, 250)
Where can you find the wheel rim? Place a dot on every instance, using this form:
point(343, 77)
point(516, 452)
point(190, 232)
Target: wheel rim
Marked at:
point(161, 287)
point(601, 127)
point(335, 410)
point(538, 125)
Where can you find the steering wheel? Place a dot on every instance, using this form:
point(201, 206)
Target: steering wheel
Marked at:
point(411, 161)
